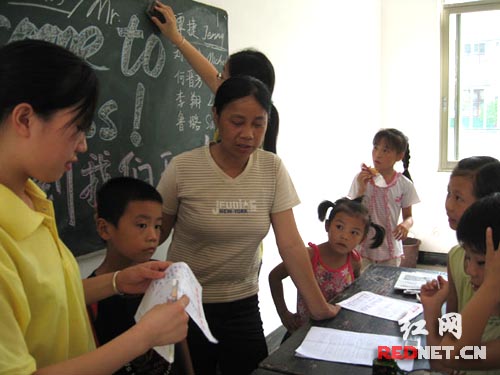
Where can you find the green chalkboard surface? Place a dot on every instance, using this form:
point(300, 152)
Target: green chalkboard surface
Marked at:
point(152, 105)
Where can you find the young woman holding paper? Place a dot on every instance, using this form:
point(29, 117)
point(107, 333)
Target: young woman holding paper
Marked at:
point(47, 101)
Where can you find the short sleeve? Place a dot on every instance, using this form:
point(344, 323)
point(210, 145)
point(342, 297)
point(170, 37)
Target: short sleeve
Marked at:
point(353, 191)
point(167, 187)
point(286, 196)
point(410, 197)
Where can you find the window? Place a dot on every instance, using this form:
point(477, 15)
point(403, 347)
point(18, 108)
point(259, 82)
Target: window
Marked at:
point(470, 80)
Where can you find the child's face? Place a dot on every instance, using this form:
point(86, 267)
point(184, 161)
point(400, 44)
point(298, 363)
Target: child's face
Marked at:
point(345, 232)
point(138, 231)
point(55, 145)
point(474, 267)
point(384, 157)
point(460, 196)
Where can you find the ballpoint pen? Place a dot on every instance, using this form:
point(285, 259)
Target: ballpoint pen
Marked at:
point(173, 293)
point(170, 349)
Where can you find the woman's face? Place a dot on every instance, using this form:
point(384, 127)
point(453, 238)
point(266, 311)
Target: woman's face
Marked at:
point(56, 145)
point(242, 125)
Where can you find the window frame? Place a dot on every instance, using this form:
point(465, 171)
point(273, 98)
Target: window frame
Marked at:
point(449, 10)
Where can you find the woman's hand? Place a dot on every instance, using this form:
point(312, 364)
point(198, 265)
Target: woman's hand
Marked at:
point(169, 27)
point(136, 279)
point(166, 323)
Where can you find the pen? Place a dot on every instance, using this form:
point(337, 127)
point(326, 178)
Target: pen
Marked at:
point(173, 293)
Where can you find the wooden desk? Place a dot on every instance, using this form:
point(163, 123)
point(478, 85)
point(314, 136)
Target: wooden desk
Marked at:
point(377, 279)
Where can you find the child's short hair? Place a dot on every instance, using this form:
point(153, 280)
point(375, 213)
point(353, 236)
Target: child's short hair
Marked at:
point(114, 196)
point(487, 179)
point(482, 214)
point(468, 167)
point(352, 207)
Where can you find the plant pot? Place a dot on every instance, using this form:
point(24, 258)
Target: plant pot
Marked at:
point(410, 250)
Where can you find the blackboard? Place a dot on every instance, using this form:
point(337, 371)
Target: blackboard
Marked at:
point(152, 105)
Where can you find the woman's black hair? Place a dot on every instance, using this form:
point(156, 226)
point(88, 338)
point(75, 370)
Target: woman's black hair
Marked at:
point(254, 63)
point(250, 62)
point(49, 78)
point(238, 87)
point(482, 214)
point(397, 141)
point(352, 207)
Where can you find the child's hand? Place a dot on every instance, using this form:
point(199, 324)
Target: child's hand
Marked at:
point(366, 173)
point(400, 233)
point(290, 321)
point(492, 265)
point(434, 293)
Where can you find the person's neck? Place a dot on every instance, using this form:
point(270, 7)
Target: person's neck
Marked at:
point(231, 166)
point(330, 257)
point(388, 174)
point(15, 181)
point(113, 262)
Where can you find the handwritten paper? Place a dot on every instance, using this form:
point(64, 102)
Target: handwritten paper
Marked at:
point(161, 290)
point(335, 345)
point(382, 307)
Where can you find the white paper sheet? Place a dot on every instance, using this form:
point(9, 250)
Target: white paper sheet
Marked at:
point(414, 280)
point(382, 307)
point(335, 345)
point(159, 292)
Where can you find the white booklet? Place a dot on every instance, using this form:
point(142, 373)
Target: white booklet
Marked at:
point(382, 307)
point(335, 345)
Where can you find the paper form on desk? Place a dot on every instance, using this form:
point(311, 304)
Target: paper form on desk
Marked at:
point(160, 290)
point(382, 307)
point(414, 280)
point(335, 345)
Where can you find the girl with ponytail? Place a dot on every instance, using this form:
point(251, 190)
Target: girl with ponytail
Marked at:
point(335, 263)
point(388, 194)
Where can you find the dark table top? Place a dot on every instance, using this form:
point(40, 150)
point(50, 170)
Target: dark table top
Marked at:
point(376, 279)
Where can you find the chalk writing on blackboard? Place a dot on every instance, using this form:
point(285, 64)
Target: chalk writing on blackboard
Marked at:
point(152, 104)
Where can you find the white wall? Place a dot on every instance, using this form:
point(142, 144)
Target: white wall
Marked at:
point(344, 69)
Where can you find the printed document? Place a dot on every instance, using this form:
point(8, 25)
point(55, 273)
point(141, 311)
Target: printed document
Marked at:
point(335, 345)
point(382, 307)
point(414, 280)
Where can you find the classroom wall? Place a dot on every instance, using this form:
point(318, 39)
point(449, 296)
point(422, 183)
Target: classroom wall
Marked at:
point(345, 69)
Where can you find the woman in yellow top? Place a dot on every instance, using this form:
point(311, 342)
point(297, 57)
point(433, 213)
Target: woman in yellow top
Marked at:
point(47, 101)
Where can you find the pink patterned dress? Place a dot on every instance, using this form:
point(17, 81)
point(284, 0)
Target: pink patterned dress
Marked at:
point(330, 281)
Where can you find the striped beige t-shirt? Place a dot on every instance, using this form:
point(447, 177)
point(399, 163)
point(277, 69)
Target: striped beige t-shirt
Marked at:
point(222, 220)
